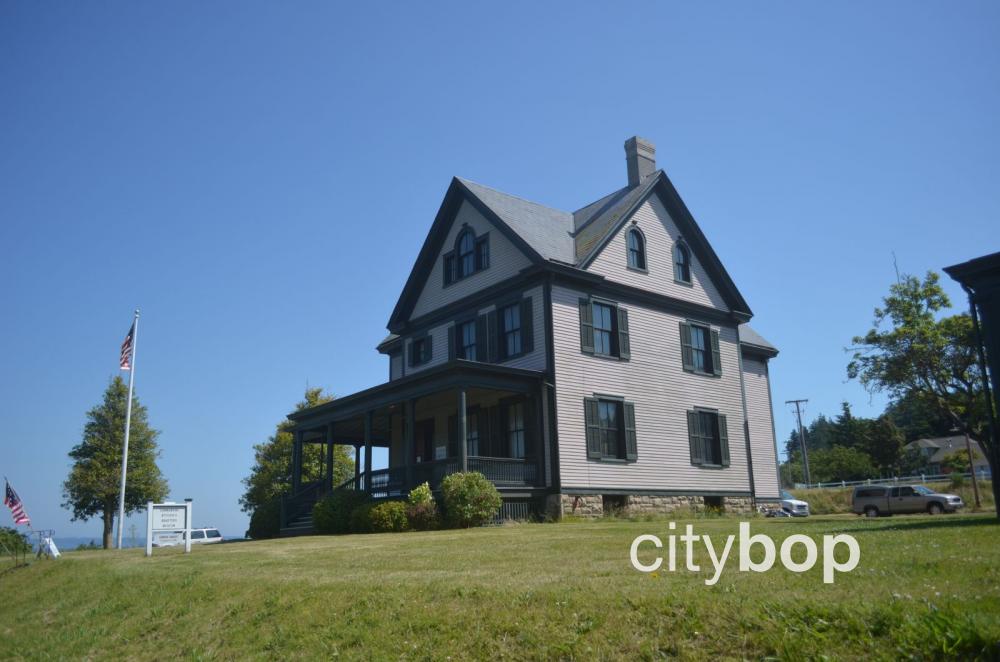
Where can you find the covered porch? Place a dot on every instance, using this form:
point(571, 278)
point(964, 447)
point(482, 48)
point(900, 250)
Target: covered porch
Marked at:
point(461, 416)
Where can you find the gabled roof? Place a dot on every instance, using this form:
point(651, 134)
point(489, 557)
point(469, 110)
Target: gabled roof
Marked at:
point(546, 234)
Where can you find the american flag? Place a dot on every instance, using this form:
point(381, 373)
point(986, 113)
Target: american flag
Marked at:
point(12, 501)
point(126, 358)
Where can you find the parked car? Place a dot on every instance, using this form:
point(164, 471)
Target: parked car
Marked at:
point(198, 537)
point(792, 506)
point(875, 500)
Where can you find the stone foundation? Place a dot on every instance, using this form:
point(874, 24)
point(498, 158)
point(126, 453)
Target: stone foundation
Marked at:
point(592, 505)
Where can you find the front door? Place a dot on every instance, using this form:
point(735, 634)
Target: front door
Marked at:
point(423, 441)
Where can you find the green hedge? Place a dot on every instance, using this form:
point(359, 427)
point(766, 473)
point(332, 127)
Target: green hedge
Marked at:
point(265, 522)
point(469, 499)
point(334, 512)
point(388, 517)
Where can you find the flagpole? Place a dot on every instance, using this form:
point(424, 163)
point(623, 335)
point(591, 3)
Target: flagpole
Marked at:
point(128, 423)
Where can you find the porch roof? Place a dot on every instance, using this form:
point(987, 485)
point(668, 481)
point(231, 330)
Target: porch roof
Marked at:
point(453, 374)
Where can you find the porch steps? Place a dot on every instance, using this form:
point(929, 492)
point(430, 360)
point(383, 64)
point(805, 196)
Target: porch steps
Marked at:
point(300, 526)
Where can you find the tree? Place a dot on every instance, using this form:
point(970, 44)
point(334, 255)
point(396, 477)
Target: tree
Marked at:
point(917, 417)
point(909, 352)
point(840, 463)
point(93, 485)
point(271, 475)
point(884, 444)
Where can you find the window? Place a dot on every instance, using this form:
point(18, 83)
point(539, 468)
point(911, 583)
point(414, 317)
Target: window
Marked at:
point(515, 430)
point(604, 329)
point(708, 437)
point(197, 535)
point(636, 249)
point(510, 317)
point(467, 340)
point(610, 426)
point(469, 255)
point(682, 263)
point(700, 349)
point(420, 350)
point(213, 533)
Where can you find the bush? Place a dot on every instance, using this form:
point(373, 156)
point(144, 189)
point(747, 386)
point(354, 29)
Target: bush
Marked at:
point(13, 541)
point(334, 512)
point(266, 520)
point(469, 499)
point(388, 517)
point(360, 520)
point(421, 510)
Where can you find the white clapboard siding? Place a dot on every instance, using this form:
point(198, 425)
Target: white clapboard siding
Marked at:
point(759, 413)
point(662, 392)
point(661, 234)
point(506, 260)
point(534, 360)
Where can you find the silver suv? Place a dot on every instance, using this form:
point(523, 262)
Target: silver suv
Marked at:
point(875, 500)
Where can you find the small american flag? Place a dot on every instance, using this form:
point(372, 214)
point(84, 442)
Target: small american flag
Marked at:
point(126, 358)
point(12, 501)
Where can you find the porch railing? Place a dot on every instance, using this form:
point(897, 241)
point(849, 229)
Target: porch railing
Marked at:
point(301, 502)
point(391, 482)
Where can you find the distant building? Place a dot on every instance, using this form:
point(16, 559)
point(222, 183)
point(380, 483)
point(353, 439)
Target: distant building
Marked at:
point(936, 450)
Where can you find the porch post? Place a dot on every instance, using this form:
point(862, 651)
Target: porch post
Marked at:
point(357, 464)
point(463, 431)
point(368, 452)
point(409, 424)
point(329, 457)
point(297, 461)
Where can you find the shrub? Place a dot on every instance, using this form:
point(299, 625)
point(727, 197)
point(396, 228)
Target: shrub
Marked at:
point(360, 520)
point(421, 510)
point(469, 499)
point(387, 517)
point(13, 540)
point(334, 512)
point(265, 522)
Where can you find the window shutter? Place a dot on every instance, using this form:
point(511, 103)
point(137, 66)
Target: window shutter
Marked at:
point(624, 345)
point(586, 327)
point(411, 359)
point(687, 354)
point(724, 440)
point(716, 355)
point(482, 352)
point(449, 269)
point(453, 447)
point(452, 343)
point(631, 447)
point(495, 444)
point(428, 349)
point(491, 332)
point(527, 326)
point(694, 439)
point(593, 429)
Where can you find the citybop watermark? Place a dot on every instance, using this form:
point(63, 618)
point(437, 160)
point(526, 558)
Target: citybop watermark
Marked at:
point(796, 546)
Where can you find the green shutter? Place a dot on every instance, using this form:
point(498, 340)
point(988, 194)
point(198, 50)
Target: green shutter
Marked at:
point(716, 355)
point(586, 327)
point(593, 429)
point(694, 438)
point(631, 447)
point(452, 342)
point(428, 349)
point(491, 340)
point(624, 344)
point(482, 349)
point(724, 440)
point(411, 359)
point(687, 353)
point(527, 326)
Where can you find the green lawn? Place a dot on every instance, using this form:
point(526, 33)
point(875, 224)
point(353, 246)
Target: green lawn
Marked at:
point(927, 587)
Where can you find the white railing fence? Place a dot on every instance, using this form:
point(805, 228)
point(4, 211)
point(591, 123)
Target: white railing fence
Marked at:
point(983, 474)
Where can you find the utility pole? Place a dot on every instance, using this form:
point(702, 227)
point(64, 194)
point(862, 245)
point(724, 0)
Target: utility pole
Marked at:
point(802, 437)
point(972, 469)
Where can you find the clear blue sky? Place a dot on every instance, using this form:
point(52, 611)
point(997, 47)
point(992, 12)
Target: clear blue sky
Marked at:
point(258, 178)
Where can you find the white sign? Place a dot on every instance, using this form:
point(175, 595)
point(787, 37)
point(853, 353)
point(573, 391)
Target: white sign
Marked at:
point(166, 521)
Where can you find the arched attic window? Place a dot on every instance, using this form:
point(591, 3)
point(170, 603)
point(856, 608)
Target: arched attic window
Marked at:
point(636, 249)
point(469, 255)
point(466, 250)
point(682, 263)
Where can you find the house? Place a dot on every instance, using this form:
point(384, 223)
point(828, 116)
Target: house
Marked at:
point(936, 450)
point(582, 361)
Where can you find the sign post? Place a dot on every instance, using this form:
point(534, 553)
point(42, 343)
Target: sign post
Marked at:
point(170, 520)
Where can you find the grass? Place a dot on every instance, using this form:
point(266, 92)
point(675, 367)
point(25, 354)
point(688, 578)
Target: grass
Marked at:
point(926, 588)
point(831, 500)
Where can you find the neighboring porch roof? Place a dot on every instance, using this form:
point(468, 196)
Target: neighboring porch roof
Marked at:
point(453, 374)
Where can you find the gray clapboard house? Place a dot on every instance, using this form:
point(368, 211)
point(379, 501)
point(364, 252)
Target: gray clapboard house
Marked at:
point(580, 360)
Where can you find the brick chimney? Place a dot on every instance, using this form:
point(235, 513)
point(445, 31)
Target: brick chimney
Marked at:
point(640, 155)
